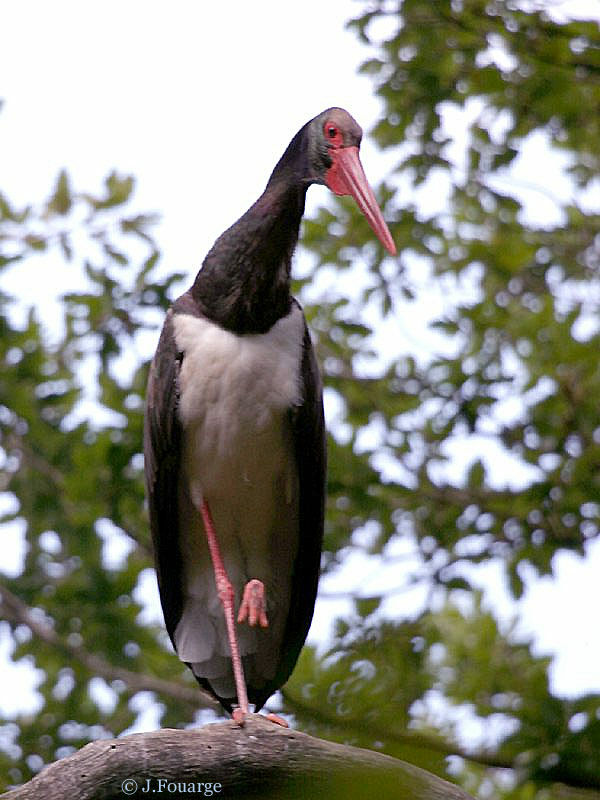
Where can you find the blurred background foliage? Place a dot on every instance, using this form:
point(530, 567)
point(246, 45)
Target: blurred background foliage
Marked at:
point(520, 324)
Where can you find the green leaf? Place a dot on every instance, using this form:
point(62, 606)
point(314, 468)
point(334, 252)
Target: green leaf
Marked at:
point(61, 201)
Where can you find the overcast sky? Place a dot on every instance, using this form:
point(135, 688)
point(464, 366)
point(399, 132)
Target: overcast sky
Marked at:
point(198, 101)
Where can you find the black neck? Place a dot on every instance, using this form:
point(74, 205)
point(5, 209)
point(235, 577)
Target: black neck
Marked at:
point(244, 283)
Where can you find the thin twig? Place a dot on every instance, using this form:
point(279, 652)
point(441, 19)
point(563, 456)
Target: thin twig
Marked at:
point(14, 610)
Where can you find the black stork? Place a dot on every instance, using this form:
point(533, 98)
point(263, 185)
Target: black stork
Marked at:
point(234, 438)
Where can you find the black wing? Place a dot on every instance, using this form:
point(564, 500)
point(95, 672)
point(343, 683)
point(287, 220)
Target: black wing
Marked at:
point(162, 456)
point(308, 428)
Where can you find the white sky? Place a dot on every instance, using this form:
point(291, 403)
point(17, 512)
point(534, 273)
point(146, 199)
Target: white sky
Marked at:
point(198, 101)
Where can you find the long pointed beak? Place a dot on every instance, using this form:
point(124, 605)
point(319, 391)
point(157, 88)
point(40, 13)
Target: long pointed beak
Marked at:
point(346, 176)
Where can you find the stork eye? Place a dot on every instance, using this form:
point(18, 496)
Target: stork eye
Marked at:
point(333, 134)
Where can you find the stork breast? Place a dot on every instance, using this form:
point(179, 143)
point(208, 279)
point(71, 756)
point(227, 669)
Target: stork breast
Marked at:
point(235, 393)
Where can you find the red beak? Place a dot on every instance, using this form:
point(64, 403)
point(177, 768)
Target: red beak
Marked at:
point(346, 176)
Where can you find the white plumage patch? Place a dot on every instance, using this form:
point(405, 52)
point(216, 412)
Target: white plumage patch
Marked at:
point(236, 392)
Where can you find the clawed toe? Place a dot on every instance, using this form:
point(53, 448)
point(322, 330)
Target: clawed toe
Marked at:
point(276, 719)
point(253, 607)
point(238, 716)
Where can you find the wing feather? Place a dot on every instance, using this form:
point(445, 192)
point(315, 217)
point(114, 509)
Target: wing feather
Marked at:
point(162, 455)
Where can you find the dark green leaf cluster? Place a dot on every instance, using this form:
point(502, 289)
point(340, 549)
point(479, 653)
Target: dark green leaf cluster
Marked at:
point(68, 475)
point(412, 689)
point(464, 86)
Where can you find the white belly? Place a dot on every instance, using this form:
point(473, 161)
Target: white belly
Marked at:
point(236, 392)
point(235, 395)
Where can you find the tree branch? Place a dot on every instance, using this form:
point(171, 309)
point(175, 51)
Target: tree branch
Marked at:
point(224, 760)
point(14, 610)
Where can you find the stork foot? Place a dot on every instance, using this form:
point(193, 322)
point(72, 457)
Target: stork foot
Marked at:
point(239, 716)
point(253, 607)
point(276, 719)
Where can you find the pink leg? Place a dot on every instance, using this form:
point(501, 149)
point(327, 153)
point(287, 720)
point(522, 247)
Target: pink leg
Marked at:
point(253, 606)
point(225, 590)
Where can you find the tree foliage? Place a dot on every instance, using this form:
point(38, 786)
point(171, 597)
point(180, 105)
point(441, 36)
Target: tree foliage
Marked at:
point(465, 88)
